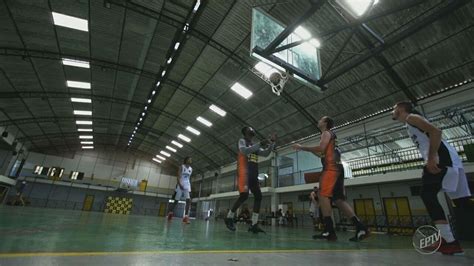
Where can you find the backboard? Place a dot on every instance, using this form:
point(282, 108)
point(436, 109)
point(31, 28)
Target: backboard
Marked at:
point(302, 61)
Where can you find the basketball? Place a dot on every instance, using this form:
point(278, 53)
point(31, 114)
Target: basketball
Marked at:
point(275, 78)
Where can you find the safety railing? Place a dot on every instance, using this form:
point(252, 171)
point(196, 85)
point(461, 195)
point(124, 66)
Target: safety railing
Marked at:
point(398, 160)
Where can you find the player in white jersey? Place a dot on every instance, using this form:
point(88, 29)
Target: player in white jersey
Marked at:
point(183, 189)
point(443, 172)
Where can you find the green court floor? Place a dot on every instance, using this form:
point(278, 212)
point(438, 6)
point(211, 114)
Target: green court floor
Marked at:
point(31, 230)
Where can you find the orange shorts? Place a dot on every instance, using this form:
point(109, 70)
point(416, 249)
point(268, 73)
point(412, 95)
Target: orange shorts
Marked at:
point(331, 184)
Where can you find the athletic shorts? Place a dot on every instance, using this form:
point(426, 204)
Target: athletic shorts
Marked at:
point(331, 184)
point(451, 180)
point(182, 193)
point(248, 178)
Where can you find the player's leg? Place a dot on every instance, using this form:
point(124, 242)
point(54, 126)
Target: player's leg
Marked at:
point(229, 220)
point(454, 182)
point(178, 194)
point(327, 182)
point(243, 196)
point(431, 186)
point(257, 193)
point(339, 197)
point(187, 207)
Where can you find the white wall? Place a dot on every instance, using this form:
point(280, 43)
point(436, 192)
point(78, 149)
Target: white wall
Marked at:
point(107, 164)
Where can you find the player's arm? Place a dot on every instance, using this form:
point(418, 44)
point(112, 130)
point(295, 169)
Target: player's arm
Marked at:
point(434, 135)
point(180, 169)
point(317, 150)
point(265, 152)
point(248, 150)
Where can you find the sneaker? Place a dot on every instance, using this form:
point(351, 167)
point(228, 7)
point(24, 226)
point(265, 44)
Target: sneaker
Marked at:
point(360, 235)
point(327, 236)
point(186, 220)
point(452, 248)
point(170, 216)
point(229, 222)
point(256, 229)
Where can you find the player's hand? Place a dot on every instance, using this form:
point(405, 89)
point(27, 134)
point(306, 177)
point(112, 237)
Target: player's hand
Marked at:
point(273, 137)
point(432, 166)
point(297, 147)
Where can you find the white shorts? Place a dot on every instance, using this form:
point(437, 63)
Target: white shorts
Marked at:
point(182, 193)
point(455, 183)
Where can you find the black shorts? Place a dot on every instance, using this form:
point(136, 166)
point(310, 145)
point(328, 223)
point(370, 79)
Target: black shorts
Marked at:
point(433, 179)
point(331, 184)
point(339, 192)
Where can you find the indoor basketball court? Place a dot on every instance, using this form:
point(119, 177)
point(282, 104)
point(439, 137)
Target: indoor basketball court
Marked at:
point(224, 132)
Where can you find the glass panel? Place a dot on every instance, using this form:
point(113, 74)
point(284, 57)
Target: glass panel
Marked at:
point(305, 56)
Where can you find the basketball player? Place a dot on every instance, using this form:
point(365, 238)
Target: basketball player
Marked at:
point(331, 183)
point(443, 171)
point(183, 189)
point(247, 170)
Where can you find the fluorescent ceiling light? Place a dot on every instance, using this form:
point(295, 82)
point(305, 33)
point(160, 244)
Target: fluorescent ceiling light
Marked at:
point(193, 130)
point(241, 90)
point(163, 73)
point(70, 22)
point(165, 153)
point(75, 63)
point(217, 110)
point(171, 148)
point(153, 92)
point(179, 145)
point(357, 8)
point(265, 69)
point(176, 46)
point(88, 147)
point(303, 33)
point(87, 142)
point(156, 160)
point(83, 122)
point(204, 121)
point(82, 112)
point(160, 157)
point(183, 137)
point(158, 83)
point(84, 129)
point(78, 84)
point(169, 60)
point(315, 42)
point(81, 100)
point(196, 6)
point(86, 137)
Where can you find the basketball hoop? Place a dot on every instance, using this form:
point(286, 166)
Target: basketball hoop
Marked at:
point(277, 81)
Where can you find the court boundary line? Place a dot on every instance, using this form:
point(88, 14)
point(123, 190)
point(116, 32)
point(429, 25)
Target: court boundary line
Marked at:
point(183, 252)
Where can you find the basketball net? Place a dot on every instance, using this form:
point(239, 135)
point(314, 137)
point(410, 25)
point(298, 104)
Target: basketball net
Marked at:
point(276, 80)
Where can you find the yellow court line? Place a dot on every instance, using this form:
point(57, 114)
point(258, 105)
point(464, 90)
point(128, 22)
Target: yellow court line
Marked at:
point(182, 252)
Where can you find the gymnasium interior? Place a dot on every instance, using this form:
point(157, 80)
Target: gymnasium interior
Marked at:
point(102, 100)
